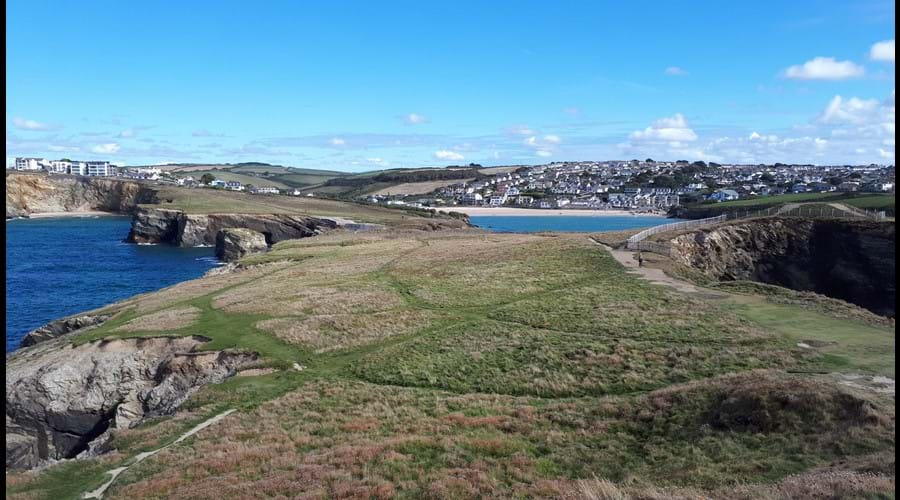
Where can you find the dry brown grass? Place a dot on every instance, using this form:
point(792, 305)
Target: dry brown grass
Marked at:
point(289, 299)
point(187, 290)
point(343, 439)
point(167, 319)
point(328, 332)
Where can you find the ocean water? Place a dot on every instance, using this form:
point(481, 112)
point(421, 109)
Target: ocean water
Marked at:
point(60, 266)
point(575, 223)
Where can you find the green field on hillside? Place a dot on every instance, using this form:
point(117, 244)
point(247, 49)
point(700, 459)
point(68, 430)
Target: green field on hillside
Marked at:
point(854, 199)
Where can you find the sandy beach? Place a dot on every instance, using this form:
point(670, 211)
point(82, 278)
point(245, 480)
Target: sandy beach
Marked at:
point(509, 211)
point(86, 213)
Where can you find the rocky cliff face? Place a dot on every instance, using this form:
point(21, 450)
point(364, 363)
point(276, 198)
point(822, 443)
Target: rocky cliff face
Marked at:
point(61, 399)
point(844, 259)
point(38, 193)
point(61, 327)
point(234, 243)
point(157, 225)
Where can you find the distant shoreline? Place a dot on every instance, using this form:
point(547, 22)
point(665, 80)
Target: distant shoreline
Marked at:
point(85, 213)
point(509, 211)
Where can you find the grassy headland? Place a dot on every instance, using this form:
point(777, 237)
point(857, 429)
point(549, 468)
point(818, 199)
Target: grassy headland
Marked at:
point(465, 364)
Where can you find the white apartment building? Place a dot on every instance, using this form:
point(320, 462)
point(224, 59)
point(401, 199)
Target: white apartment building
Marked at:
point(60, 166)
point(98, 169)
point(78, 168)
point(29, 163)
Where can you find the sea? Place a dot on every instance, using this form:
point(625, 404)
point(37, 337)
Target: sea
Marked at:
point(574, 223)
point(61, 266)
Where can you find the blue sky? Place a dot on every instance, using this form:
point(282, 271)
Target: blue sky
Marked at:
point(367, 85)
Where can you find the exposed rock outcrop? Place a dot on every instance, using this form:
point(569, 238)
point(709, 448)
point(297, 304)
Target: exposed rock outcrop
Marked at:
point(61, 399)
point(61, 327)
point(39, 192)
point(157, 225)
point(852, 260)
point(234, 243)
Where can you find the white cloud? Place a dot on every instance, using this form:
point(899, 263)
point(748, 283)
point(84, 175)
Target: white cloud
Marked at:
point(854, 110)
point(543, 154)
point(825, 68)
point(675, 71)
point(882, 51)
point(670, 129)
point(444, 154)
point(108, 148)
point(552, 139)
point(885, 154)
point(23, 124)
point(759, 137)
point(414, 119)
point(337, 141)
point(126, 134)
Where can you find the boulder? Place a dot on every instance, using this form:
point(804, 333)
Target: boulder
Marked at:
point(234, 243)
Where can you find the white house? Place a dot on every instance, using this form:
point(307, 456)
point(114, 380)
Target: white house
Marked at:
point(264, 190)
point(724, 195)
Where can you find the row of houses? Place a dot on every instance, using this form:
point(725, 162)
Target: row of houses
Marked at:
point(89, 168)
point(237, 186)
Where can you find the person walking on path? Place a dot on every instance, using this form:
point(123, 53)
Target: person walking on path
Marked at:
point(640, 260)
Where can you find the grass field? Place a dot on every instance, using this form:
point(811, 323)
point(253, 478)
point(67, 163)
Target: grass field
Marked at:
point(468, 364)
point(205, 201)
point(412, 188)
point(861, 200)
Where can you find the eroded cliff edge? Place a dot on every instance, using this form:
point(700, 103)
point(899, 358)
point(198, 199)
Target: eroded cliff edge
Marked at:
point(61, 398)
point(159, 225)
point(852, 260)
point(40, 193)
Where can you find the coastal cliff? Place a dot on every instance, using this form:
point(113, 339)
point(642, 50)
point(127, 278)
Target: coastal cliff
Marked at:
point(158, 225)
point(28, 194)
point(61, 399)
point(852, 260)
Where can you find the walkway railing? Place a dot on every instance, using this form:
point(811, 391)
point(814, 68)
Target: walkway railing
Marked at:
point(673, 226)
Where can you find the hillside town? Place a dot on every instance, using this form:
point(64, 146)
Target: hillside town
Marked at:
point(646, 186)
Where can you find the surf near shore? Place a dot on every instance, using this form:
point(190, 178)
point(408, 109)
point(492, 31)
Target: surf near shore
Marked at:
point(85, 213)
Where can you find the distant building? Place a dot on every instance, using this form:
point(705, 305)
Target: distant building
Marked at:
point(234, 186)
point(29, 163)
point(264, 190)
point(472, 198)
point(724, 195)
point(78, 168)
point(98, 169)
point(60, 166)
